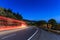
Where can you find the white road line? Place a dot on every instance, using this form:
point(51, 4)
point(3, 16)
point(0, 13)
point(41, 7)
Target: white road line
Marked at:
point(8, 36)
point(2, 33)
point(33, 35)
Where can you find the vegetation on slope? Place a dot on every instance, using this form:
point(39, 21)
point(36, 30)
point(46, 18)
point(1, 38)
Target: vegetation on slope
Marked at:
point(10, 14)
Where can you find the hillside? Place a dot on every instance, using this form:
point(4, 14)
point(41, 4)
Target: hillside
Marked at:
point(10, 14)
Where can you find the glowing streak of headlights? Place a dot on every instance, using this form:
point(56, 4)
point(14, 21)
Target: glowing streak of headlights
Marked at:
point(10, 21)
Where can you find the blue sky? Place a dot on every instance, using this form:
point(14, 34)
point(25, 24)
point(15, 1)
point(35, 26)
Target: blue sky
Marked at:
point(34, 9)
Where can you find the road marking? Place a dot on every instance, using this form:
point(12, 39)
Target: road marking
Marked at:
point(8, 36)
point(33, 35)
point(2, 33)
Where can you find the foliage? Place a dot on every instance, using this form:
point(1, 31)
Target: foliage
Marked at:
point(10, 14)
point(52, 22)
point(18, 16)
point(41, 22)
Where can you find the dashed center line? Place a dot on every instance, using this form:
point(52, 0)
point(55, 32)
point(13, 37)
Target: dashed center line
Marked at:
point(33, 35)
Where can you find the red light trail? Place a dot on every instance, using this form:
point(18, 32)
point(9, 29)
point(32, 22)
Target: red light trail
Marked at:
point(9, 23)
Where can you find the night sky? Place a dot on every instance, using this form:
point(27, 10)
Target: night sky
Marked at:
point(34, 9)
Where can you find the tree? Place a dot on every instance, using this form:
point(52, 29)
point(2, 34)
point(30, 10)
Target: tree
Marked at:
point(52, 22)
point(9, 10)
point(12, 14)
point(41, 22)
point(18, 16)
point(9, 13)
point(57, 27)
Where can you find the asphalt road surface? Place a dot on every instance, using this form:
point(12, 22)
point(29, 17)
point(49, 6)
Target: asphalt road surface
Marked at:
point(24, 34)
point(45, 35)
point(17, 34)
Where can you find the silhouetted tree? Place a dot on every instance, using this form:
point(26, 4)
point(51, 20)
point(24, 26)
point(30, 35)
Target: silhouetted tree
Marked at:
point(41, 22)
point(18, 16)
point(9, 10)
point(9, 13)
point(52, 22)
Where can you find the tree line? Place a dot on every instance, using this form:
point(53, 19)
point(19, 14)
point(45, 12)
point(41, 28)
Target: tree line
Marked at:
point(9, 13)
point(52, 23)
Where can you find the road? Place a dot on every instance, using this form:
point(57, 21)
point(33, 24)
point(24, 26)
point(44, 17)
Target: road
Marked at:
point(24, 34)
point(45, 35)
point(17, 34)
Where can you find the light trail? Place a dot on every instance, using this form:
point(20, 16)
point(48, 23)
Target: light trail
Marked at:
point(9, 23)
